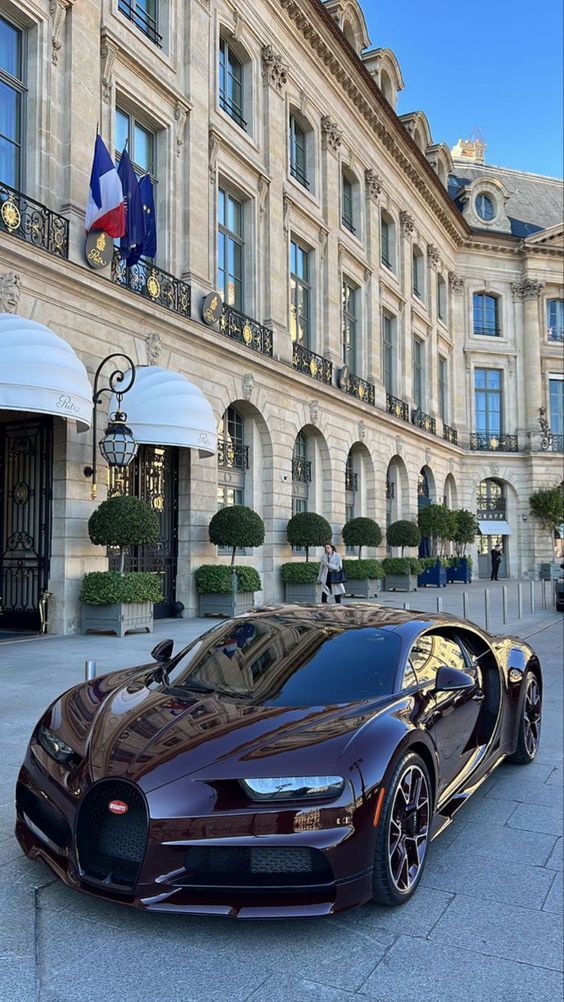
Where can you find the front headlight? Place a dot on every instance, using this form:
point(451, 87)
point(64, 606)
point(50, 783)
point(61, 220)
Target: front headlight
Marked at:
point(293, 787)
point(55, 747)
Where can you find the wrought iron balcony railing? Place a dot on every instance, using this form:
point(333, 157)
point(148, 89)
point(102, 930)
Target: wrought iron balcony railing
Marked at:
point(385, 260)
point(301, 471)
point(232, 110)
point(351, 480)
point(348, 223)
point(359, 388)
point(557, 443)
point(23, 217)
point(142, 20)
point(153, 283)
point(297, 173)
point(390, 490)
point(245, 330)
point(313, 365)
point(397, 407)
point(493, 508)
point(232, 455)
point(555, 334)
point(424, 421)
point(489, 330)
point(450, 434)
point(484, 442)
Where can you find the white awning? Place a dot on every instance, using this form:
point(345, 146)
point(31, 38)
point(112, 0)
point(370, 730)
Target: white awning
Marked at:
point(494, 527)
point(40, 373)
point(164, 408)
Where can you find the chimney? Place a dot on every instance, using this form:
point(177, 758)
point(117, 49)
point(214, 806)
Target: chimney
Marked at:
point(469, 150)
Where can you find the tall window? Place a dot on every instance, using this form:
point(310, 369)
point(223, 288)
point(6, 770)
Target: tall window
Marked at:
point(140, 143)
point(487, 396)
point(441, 298)
point(231, 83)
point(418, 373)
point(300, 295)
point(301, 478)
point(350, 324)
point(486, 314)
point(555, 319)
point(388, 353)
point(230, 249)
point(12, 99)
point(387, 246)
point(298, 154)
point(443, 390)
point(231, 453)
point(144, 15)
point(417, 273)
point(556, 394)
point(348, 205)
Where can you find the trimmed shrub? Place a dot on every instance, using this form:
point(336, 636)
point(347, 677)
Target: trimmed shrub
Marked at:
point(123, 522)
point(237, 527)
point(363, 570)
point(216, 579)
point(428, 562)
point(457, 561)
point(299, 573)
point(403, 533)
point(308, 529)
point(465, 529)
point(112, 588)
point(437, 523)
point(401, 565)
point(361, 532)
point(548, 507)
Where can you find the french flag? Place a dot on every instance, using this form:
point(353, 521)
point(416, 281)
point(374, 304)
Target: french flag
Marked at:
point(106, 205)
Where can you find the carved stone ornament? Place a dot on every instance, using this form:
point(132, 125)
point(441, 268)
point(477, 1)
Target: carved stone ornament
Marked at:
point(108, 53)
point(456, 283)
point(287, 213)
point(331, 134)
point(434, 255)
point(361, 431)
point(10, 289)
point(264, 188)
point(427, 456)
point(180, 119)
point(314, 411)
point(494, 470)
point(373, 184)
point(213, 149)
point(529, 289)
point(248, 384)
point(407, 223)
point(274, 71)
point(399, 445)
point(323, 239)
point(238, 26)
point(153, 344)
point(57, 10)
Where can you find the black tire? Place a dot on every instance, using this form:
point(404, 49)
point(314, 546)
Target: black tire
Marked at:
point(530, 720)
point(405, 823)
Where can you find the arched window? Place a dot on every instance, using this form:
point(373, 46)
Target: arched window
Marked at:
point(350, 201)
point(486, 314)
point(418, 273)
point(300, 157)
point(231, 83)
point(491, 502)
point(232, 453)
point(423, 489)
point(485, 207)
point(441, 298)
point(388, 241)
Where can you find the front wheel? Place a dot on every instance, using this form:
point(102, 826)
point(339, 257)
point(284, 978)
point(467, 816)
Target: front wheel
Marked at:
point(402, 836)
point(528, 736)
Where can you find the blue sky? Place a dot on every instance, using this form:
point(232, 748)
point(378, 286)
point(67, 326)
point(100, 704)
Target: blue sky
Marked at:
point(495, 66)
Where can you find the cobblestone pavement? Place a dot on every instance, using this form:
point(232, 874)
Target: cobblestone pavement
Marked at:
point(485, 923)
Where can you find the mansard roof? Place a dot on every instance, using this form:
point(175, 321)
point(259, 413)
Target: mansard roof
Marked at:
point(535, 202)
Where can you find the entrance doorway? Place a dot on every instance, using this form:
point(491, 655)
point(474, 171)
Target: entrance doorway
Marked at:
point(26, 468)
point(153, 477)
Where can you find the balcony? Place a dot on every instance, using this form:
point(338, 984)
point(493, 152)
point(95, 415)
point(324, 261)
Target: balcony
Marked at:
point(232, 455)
point(491, 508)
point(552, 443)
point(301, 471)
point(397, 407)
point(351, 481)
point(246, 331)
point(482, 442)
point(450, 434)
point(555, 334)
point(298, 174)
point(311, 364)
point(424, 421)
point(142, 20)
point(154, 284)
point(28, 220)
point(358, 388)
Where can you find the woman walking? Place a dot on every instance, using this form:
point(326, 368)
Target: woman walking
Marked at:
point(331, 574)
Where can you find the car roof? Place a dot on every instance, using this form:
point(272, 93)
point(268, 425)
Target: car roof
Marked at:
point(361, 614)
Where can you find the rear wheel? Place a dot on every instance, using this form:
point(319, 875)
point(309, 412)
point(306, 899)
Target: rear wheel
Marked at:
point(530, 723)
point(402, 836)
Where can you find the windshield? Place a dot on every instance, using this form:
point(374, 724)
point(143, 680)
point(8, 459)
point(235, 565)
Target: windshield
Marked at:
point(290, 663)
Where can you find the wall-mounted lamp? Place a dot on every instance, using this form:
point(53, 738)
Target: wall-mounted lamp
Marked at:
point(118, 445)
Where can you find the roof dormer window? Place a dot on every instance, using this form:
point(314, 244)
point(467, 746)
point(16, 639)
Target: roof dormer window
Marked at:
point(485, 207)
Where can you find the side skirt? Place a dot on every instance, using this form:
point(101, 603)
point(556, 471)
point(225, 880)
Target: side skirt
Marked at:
point(445, 813)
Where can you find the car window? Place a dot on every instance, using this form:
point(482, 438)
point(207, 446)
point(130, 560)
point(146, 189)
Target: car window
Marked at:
point(433, 650)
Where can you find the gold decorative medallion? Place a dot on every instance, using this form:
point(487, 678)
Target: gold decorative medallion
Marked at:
point(10, 215)
point(153, 286)
point(313, 367)
point(247, 333)
point(361, 392)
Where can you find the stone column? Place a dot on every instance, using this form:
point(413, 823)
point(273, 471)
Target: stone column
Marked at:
point(433, 266)
point(529, 292)
point(198, 267)
point(460, 395)
point(329, 334)
point(405, 353)
point(374, 374)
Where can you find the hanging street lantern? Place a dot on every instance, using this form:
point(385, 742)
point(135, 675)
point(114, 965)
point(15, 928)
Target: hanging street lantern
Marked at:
point(118, 446)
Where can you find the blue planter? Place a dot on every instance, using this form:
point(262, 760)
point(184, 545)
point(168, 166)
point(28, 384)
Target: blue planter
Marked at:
point(436, 576)
point(461, 573)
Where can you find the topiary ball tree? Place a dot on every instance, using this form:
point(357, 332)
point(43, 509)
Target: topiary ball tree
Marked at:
point(308, 529)
point(437, 523)
point(238, 527)
point(465, 530)
point(547, 505)
point(362, 532)
point(403, 533)
point(123, 522)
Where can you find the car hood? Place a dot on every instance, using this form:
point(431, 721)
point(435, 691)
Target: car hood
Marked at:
point(153, 738)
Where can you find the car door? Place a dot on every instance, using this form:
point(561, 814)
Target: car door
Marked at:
point(450, 717)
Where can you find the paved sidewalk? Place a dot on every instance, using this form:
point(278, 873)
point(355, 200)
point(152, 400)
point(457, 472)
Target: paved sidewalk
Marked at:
point(485, 923)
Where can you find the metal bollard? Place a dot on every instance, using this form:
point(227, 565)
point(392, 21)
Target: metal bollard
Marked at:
point(543, 596)
point(439, 603)
point(519, 600)
point(504, 602)
point(406, 605)
point(89, 670)
point(465, 605)
point(487, 609)
point(532, 591)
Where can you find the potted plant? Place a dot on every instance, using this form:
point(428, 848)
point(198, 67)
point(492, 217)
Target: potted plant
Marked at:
point(401, 572)
point(433, 572)
point(547, 505)
point(465, 531)
point(362, 575)
point(113, 601)
point(227, 591)
point(300, 579)
point(436, 524)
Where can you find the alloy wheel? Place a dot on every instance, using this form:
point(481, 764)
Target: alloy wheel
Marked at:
point(532, 716)
point(409, 828)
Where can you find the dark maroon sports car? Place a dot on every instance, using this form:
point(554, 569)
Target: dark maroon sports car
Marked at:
point(295, 761)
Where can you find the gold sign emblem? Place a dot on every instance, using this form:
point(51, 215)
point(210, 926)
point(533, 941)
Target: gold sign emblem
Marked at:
point(153, 286)
point(247, 333)
point(10, 215)
point(100, 241)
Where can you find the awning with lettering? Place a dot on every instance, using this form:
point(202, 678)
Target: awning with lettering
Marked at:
point(494, 527)
point(40, 373)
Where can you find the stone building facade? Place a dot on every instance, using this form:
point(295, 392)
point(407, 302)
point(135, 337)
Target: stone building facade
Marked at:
point(393, 318)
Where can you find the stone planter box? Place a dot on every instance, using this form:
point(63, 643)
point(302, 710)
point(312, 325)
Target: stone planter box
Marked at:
point(118, 619)
point(400, 582)
point(461, 573)
point(436, 576)
point(306, 593)
point(550, 572)
point(363, 587)
point(226, 603)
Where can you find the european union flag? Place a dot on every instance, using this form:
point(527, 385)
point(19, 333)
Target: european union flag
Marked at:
point(131, 244)
point(147, 196)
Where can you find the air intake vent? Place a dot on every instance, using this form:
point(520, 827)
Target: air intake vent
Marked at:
point(43, 815)
point(111, 840)
point(244, 866)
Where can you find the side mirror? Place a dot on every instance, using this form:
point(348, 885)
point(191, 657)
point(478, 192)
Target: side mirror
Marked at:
point(452, 680)
point(163, 651)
